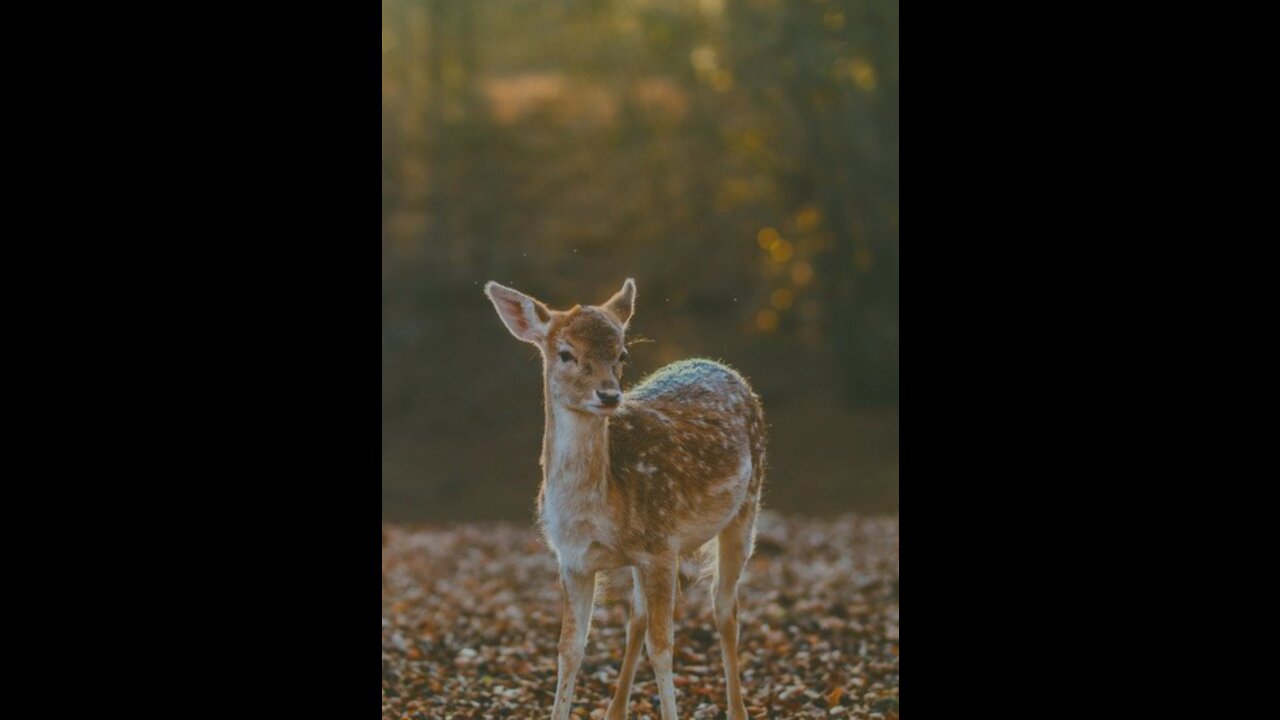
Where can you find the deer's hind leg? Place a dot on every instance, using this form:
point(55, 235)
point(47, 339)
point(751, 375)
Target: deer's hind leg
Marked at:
point(637, 624)
point(733, 550)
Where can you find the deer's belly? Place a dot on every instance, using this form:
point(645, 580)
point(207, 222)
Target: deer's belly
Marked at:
point(700, 532)
point(716, 507)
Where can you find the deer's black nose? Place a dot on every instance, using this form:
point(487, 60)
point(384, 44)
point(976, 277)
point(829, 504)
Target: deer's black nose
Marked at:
point(610, 399)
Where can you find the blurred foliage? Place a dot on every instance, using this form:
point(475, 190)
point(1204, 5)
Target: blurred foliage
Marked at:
point(739, 158)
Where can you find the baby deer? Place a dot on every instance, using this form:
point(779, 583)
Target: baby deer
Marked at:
point(638, 481)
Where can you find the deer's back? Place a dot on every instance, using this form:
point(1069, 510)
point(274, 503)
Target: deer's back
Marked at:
point(686, 453)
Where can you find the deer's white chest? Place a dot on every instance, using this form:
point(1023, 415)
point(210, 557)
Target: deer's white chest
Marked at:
point(575, 513)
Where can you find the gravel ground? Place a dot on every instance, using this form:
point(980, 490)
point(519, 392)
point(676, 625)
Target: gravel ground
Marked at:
point(471, 618)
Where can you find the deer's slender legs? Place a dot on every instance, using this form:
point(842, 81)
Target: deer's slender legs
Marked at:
point(637, 622)
point(733, 551)
point(579, 595)
point(659, 581)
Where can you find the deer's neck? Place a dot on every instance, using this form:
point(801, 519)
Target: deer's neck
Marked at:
point(575, 454)
point(574, 507)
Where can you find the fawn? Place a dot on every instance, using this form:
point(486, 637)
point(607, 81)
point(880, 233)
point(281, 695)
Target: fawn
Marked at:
point(638, 483)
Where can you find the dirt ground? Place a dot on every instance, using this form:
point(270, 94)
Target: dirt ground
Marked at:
point(471, 618)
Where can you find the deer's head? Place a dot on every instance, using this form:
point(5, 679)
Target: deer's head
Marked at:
point(583, 348)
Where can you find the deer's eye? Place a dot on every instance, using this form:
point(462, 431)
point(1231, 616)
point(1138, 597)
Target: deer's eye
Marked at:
point(567, 356)
point(623, 357)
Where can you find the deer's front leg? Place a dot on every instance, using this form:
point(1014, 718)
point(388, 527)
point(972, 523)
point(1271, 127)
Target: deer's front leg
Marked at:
point(659, 581)
point(579, 595)
point(636, 628)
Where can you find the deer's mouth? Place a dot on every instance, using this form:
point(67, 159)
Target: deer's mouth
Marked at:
point(601, 409)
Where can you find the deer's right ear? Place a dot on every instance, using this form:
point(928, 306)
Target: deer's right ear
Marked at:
point(526, 318)
point(623, 302)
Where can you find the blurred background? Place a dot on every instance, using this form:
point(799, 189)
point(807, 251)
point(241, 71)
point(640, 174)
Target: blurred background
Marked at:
point(738, 158)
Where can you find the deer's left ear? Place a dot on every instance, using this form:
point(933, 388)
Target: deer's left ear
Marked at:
point(526, 318)
point(623, 303)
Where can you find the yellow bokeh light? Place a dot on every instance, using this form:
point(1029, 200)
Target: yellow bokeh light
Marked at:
point(703, 58)
point(782, 251)
point(801, 273)
point(864, 75)
point(767, 237)
point(808, 218)
point(782, 298)
point(767, 320)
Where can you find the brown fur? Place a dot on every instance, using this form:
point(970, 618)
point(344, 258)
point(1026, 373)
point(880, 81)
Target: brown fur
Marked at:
point(680, 462)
